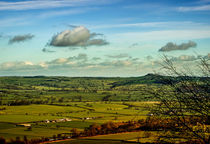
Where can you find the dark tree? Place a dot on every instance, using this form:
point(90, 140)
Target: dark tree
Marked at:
point(2, 140)
point(186, 100)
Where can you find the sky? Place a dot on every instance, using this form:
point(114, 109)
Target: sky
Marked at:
point(108, 38)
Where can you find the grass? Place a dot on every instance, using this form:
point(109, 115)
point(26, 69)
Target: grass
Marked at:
point(51, 89)
point(35, 133)
point(119, 138)
point(83, 96)
point(103, 112)
point(30, 113)
point(85, 141)
point(38, 109)
point(6, 126)
point(71, 124)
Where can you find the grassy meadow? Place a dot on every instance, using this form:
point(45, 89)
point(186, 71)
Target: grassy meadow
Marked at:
point(77, 112)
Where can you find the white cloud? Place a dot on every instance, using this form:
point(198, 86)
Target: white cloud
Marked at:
point(79, 63)
point(82, 65)
point(184, 58)
point(64, 12)
point(149, 24)
point(119, 56)
point(203, 1)
point(77, 37)
point(194, 8)
point(163, 35)
point(20, 65)
point(17, 21)
point(46, 4)
point(20, 38)
point(173, 46)
point(172, 24)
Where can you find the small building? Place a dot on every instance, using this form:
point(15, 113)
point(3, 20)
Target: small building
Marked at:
point(67, 119)
point(150, 114)
point(87, 118)
point(60, 120)
point(24, 125)
point(47, 121)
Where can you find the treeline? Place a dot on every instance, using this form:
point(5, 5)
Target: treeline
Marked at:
point(149, 124)
point(24, 141)
point(27, 102)
point(36, 101)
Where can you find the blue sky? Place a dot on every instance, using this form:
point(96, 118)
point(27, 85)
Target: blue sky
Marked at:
point(101, 38)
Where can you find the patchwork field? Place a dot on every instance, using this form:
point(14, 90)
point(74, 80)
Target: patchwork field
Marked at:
point(81, 114)
point(55, 108)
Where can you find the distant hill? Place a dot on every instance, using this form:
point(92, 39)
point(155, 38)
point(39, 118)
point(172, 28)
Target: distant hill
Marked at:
point(112, 82)
point(156, 79)
point(55, 89)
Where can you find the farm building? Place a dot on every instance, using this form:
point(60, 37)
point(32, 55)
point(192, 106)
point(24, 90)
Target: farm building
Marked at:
point(24, 125)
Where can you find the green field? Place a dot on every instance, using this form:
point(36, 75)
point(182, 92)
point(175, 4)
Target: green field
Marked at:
point(122, 138)
point(115, 138)
point(89, 141)
point(48, 90)
point(101, 112)
point(44, 102)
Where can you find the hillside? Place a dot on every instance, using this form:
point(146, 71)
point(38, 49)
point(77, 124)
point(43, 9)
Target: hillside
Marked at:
point(45, 90)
